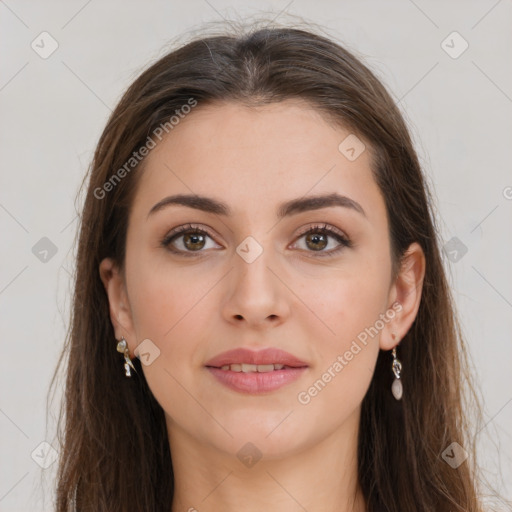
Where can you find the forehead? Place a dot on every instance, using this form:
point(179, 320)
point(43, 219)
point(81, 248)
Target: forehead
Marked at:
point(254, 156)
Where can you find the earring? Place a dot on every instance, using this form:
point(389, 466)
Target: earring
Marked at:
point(122, 347)
point(396, 365)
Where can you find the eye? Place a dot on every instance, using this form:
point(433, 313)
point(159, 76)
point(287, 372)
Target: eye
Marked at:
point(188, 239)
point(317, 238)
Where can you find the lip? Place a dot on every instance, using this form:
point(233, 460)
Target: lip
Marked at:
point(256, 382)
point(265, 356)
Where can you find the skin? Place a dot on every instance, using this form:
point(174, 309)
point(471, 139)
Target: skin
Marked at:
point(290, 297)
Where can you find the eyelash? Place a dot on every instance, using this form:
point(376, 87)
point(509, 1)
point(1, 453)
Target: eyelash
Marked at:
point(319, 228)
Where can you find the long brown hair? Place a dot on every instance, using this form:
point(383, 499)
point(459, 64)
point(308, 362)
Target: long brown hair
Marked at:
point(114, 453)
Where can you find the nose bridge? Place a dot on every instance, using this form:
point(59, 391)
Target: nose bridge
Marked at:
point(252, 262)
point(257, 293)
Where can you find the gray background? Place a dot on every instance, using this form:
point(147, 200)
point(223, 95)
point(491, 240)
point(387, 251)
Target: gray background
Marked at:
point(53, 110)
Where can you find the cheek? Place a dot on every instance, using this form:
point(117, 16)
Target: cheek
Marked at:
point(175, 309)
point(167, 300)
point(352, 307)
point(347, 303)
point(172, 310)
point(345, 361)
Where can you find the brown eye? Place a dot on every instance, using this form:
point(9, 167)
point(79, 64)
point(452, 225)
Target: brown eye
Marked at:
point(187, 240)
point(193, 241)
point(316, 241)
point(317, 238)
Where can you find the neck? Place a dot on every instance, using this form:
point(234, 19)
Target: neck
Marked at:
point(318, 478)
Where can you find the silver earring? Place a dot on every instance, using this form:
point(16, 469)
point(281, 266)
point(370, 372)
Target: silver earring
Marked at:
point(122, 347)
point(396, 388)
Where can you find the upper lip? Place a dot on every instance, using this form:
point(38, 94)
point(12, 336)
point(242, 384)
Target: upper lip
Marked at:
point(265, 356)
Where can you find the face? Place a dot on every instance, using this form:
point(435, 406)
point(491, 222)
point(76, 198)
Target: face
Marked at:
point(266, 269)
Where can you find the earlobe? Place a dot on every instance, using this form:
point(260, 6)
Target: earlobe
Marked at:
point(120, 313)
point(406, 292)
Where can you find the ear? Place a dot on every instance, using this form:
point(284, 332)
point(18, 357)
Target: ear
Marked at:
point(405, 294)
point(120, 312)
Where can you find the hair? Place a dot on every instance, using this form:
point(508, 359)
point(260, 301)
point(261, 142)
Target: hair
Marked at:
point(115, 453)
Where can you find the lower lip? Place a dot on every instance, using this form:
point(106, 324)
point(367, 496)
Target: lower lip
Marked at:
point(256, 382)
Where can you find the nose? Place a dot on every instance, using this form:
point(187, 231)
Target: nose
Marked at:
point(256, 295)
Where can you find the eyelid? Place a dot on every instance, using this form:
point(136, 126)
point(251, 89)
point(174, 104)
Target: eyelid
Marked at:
point(189, 227)
point(322, 226)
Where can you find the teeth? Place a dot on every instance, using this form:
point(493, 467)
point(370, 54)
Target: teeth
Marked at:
point(265, 367)
point(250, 368)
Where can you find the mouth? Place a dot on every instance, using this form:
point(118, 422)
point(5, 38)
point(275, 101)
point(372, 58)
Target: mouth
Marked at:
point(247, 371)
point(246, 360)
point(260, 368)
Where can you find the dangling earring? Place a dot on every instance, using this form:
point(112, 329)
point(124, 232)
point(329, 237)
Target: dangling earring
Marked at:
point(396, 388)
point(122, 347)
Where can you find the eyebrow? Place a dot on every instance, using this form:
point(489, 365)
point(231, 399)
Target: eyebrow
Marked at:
point(294, 206)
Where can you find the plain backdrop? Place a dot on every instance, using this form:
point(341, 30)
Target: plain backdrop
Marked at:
point(454, 89)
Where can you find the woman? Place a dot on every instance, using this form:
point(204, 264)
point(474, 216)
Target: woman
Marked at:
point(261, 316)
